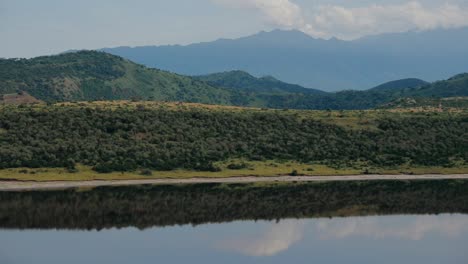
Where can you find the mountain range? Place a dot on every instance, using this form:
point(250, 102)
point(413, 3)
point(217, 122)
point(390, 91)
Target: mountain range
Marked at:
point(93, 75)
point(329, 65)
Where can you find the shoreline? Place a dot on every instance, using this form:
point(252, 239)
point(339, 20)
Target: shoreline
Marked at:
point(14, 185)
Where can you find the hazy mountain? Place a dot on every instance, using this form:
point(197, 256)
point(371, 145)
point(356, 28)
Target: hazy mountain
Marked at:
point(295, 57)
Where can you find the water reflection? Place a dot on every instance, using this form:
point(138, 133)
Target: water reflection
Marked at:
point(168, 224)
point(391, 227)
point(151, 206)
point(383, 239)
point(278, 237)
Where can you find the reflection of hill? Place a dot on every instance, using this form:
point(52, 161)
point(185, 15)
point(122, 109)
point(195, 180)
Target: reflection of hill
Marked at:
point(148, 206)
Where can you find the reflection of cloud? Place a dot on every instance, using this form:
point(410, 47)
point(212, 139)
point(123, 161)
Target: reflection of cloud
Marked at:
point(376, 227)
point(278, 237)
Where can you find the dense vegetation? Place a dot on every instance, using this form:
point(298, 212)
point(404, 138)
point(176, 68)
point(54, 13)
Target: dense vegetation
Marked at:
point(122, 138)
point(148, 206)
point(90, 75)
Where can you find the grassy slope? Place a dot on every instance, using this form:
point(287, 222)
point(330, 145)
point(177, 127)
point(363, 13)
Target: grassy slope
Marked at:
point(346, 119)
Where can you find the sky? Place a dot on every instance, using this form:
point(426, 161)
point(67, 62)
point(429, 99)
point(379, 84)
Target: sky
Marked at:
point(30, 28)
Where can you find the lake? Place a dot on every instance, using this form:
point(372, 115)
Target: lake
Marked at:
point(376, 239)
point(352, 222)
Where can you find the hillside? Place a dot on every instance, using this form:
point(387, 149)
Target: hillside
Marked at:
point(329, 65)
point(91, 75)
point(400, 84)
point(244, 81)
point(455, 86)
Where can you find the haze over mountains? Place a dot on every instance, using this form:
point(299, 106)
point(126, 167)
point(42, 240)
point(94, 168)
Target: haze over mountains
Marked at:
point(329, 65)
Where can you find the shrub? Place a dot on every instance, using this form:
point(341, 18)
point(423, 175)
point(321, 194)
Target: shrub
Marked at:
point(146, 172)
point(237, 166)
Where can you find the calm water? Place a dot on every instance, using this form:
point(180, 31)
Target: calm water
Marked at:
point(375, 239)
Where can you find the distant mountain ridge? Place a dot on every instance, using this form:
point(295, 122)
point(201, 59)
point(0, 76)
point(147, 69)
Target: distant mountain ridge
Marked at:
point(329, 65)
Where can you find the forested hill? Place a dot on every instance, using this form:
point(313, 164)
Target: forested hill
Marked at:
point(399, 84)
point(91, 75)
point(453, 87)
point(246, 82)
point(271, 93)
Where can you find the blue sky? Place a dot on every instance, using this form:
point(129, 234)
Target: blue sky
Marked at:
point(32, 28)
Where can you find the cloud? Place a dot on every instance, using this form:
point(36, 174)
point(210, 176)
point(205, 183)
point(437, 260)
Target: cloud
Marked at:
point(351, 23)
point(279, 237)
point(281, 13)
point(327, 21)
point(445, 225)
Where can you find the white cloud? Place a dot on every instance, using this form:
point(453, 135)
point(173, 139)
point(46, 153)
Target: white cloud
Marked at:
point(279, 237)
point(282, 13)
point(326, 21)
point(350, 23)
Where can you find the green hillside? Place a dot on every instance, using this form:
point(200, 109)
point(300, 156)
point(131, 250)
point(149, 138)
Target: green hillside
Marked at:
point(244, 81)
point(91, 75)
point(455, 86)
point(400, 84)
point(272, 93)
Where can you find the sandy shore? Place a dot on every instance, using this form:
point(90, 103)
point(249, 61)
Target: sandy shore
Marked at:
point(31, 185)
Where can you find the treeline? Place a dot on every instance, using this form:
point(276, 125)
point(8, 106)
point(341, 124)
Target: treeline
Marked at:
point(125, 139)
point(148, 206)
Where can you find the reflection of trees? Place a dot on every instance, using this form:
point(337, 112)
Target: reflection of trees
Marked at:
point(147, 206)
